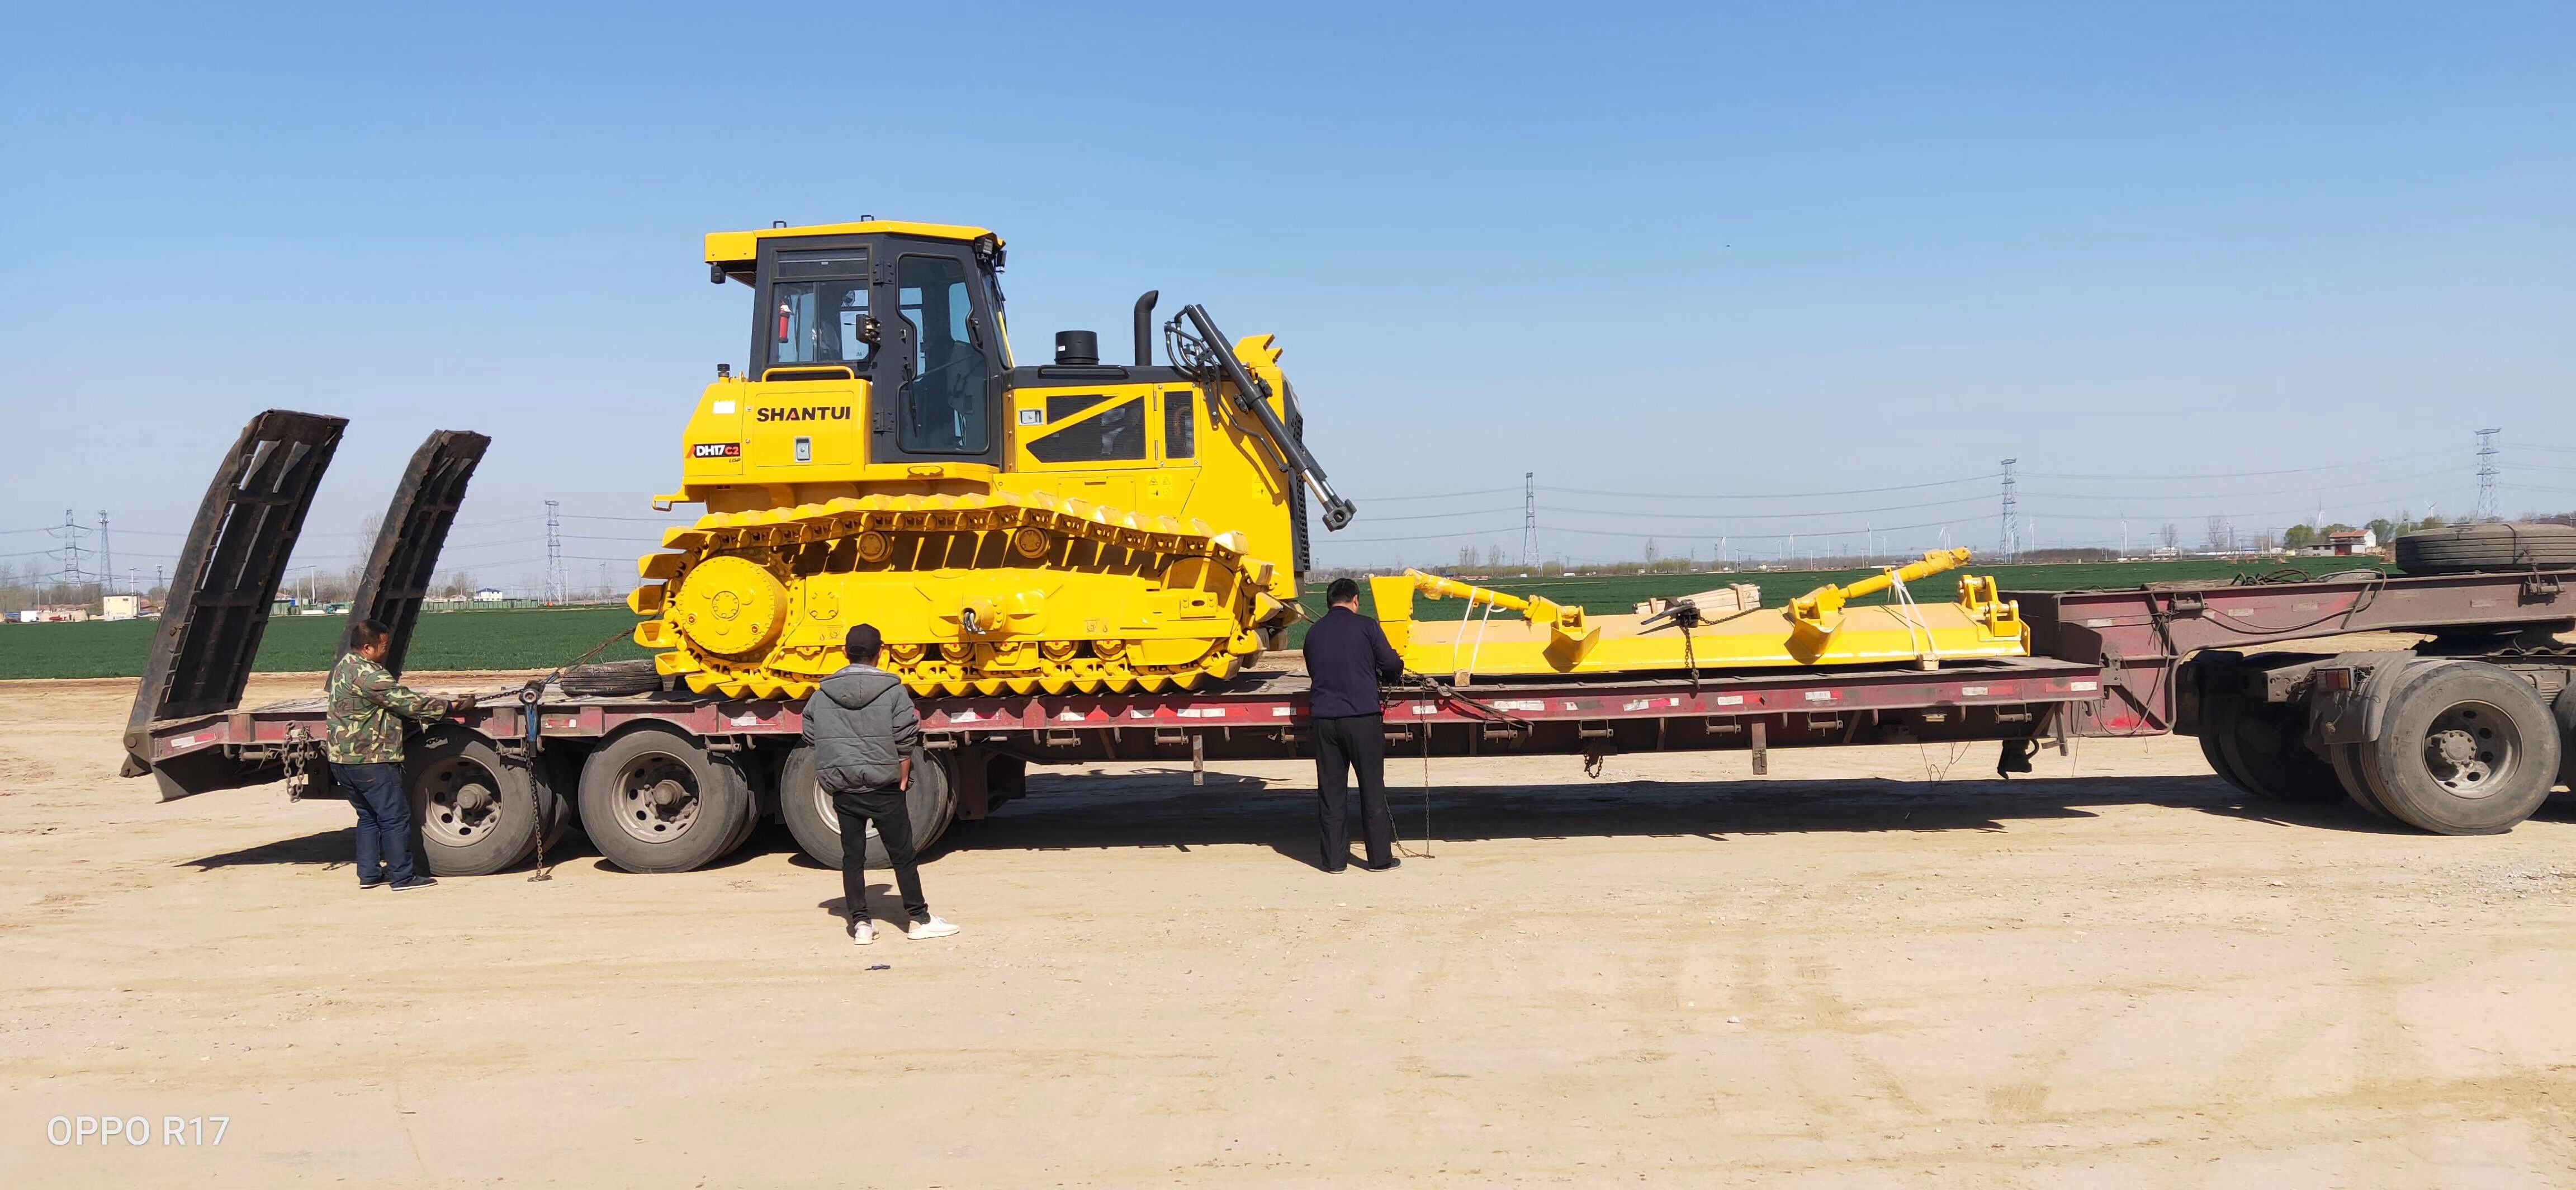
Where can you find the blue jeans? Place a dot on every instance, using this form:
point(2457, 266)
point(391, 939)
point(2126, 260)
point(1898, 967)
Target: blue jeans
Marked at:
point(384, 820)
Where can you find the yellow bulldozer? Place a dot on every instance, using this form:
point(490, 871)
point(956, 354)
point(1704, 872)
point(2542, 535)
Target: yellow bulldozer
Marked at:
point(1070, 525)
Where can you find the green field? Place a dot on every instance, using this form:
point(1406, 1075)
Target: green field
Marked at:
point(533, 639)
point(544, 638)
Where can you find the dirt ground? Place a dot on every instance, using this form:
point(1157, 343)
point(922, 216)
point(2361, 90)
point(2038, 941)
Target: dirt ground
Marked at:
point(1876, 967)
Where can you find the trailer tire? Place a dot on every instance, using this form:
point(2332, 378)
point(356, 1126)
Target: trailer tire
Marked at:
point(560, 767)
point(2492, 545)
point(2346, 759)
point(2566, 709)
point(611, 679)
point(2467, 749)
point(931, 803)
point(654, 800)
point(2217, 719)
point(2267, 744)
point(474, 811)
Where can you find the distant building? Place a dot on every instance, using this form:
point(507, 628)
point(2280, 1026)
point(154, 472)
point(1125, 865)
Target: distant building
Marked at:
point(490, 595)
point(54, 614)
point(120, 607)
point(2353, 541)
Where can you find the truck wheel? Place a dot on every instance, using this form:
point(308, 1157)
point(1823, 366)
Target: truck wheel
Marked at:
point(817, 826)
point(477, 813)
point(2468, 749)
point(2267, 743)
point(657, 801)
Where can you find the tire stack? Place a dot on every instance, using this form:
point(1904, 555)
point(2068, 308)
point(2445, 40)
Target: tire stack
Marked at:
point(2488, 546)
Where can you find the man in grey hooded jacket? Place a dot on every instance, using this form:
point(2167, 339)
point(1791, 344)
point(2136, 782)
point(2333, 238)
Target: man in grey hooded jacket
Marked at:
point(863, 729)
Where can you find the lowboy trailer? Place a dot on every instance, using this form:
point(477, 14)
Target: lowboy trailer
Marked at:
point(2465, 733)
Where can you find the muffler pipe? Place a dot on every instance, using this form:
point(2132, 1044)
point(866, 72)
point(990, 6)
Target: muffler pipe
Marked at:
point(1145, 327)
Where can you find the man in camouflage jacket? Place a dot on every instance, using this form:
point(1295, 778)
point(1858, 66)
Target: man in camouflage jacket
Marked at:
point(365, 747)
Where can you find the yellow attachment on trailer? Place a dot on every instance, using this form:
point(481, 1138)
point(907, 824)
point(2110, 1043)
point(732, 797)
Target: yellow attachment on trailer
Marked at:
point(1817, 628)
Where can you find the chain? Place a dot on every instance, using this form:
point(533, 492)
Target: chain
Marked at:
point(296, 776)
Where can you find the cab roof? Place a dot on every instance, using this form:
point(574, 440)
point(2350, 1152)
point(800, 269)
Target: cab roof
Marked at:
point(741, 247)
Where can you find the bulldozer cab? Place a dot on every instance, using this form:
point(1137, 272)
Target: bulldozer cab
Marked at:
point(912, 310)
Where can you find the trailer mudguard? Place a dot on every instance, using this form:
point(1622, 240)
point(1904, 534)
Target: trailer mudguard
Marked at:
point(398, 570)
point(228, 573)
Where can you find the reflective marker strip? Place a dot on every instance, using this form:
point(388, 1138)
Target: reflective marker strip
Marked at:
point(1730, 700)
point(1972, 691)
point(2084, 685)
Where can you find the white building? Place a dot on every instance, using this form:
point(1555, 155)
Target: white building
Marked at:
point(120, 607)
point(489, 595)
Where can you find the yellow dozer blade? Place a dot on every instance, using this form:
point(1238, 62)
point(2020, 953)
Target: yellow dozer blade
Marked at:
point(1726, 630)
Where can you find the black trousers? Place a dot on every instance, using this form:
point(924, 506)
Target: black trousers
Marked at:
point(1342, 744)
point(888, 809)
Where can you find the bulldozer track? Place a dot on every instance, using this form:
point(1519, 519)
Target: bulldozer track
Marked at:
point(777, 636)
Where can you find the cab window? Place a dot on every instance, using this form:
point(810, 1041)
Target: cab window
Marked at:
point(818, 309)
point(1180, 425)
point(1111, 434)
point(942, 409)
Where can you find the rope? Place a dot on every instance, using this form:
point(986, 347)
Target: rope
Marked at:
point(1479, 650)
point(1928, 644)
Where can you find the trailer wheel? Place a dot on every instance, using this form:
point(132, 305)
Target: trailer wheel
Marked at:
point(931, 803)
point(2267, 743)
point(476, 812)
point(2468, 749)
point(559, 768)
point(2566, 707)
point(2217, 719)
point(2346, 759)
point(657, 801)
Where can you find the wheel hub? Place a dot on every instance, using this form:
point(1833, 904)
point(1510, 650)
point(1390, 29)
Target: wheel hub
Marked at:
point(2470, 749)
point(464, 802)
point(657, 799)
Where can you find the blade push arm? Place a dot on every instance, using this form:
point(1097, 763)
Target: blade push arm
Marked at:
point(1253, 396)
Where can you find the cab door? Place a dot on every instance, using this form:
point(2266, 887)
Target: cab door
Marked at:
point(935, 384)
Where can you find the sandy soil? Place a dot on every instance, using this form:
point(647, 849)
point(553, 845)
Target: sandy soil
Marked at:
point(1852, 973)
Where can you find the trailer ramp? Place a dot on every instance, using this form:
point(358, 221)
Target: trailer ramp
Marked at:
point(415, 528)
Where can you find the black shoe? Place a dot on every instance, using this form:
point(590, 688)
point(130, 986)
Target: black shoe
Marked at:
point(1337, 871)
point(1391, 863)
point(378, 882)
point(415, 882)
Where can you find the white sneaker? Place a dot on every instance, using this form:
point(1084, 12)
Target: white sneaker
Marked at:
point(863, 931)
point(935, 927)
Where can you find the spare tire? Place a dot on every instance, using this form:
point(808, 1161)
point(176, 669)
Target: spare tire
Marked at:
point(2490, 545)
point(611, 679)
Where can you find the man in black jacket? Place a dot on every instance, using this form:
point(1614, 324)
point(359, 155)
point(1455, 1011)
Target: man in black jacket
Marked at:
point(1347, 655)
point(863, 729)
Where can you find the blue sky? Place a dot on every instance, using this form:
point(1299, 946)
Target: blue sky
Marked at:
point(2180, 260)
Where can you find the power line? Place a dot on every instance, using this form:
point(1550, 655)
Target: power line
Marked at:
point(1903, 487)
